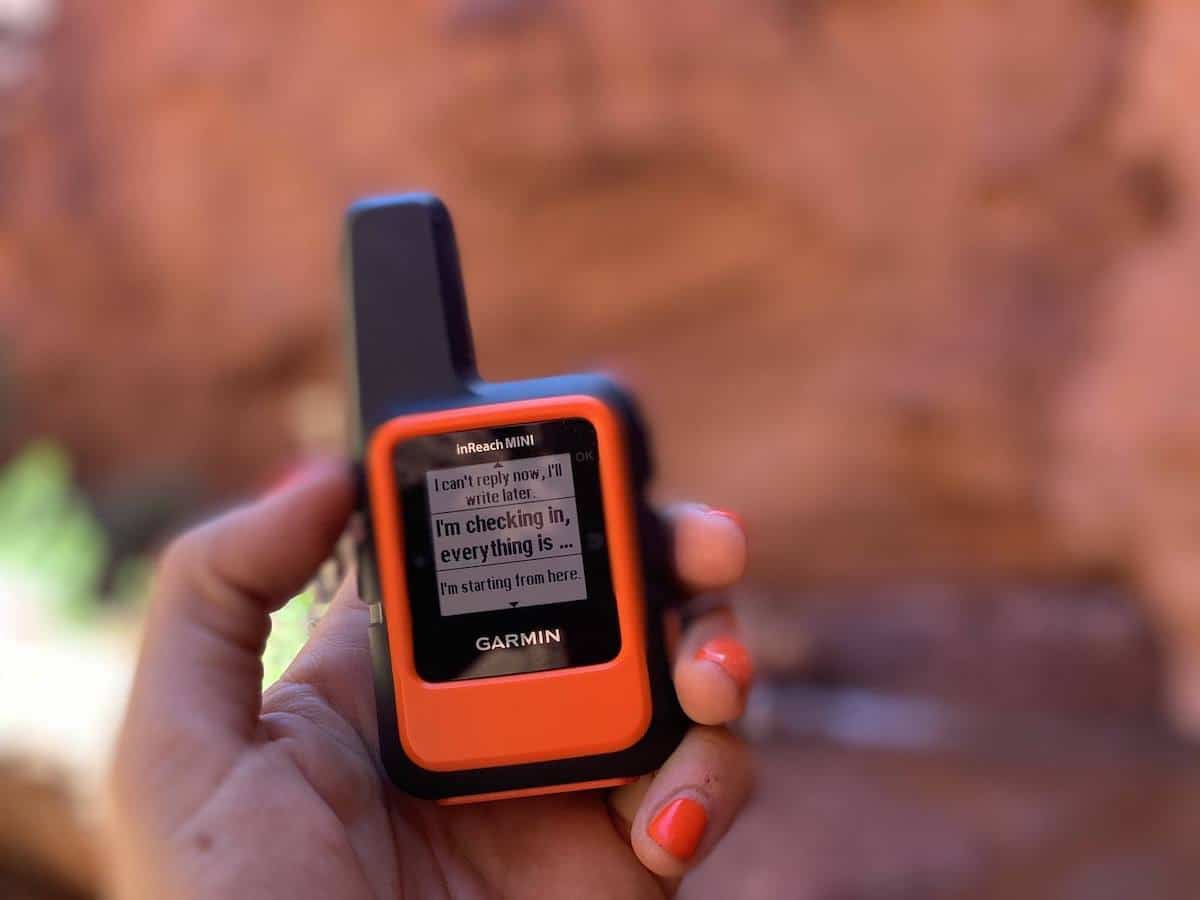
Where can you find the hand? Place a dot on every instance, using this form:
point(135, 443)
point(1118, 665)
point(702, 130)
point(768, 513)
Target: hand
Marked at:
point(219, 791)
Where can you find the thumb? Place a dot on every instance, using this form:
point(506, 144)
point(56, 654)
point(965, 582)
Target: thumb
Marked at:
point(198, 681)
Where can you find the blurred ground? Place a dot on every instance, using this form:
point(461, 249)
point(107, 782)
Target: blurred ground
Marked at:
point(910, 286)
point(884, 826)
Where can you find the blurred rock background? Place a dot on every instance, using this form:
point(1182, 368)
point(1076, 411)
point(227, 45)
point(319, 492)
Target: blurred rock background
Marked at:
point(909, 285)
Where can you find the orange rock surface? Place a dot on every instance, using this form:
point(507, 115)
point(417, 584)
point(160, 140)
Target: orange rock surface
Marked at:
point(908, 285)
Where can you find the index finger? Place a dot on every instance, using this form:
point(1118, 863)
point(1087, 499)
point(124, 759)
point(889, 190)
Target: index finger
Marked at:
point(199, 675)
point(708, 546)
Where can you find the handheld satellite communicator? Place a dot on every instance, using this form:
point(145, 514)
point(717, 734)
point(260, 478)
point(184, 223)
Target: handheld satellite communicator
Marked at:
point(512, 567)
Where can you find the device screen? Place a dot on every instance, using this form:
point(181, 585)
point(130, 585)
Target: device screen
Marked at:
point(506, 534)
point(506, 550)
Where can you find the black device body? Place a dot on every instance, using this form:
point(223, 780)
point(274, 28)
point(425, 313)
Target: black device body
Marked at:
point(412, 355)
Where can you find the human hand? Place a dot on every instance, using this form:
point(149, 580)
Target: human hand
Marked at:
point(220, 791)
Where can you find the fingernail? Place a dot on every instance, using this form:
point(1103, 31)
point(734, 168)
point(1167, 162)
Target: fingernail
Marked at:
point(678, 827)
point(293, 475)
point(731, 655)
point(728, 514)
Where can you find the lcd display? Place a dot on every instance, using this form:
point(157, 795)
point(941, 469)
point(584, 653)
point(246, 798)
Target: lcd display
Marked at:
point(506, 550)
point(506, 534)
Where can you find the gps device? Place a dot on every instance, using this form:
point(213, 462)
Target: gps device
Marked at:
point(511, 564)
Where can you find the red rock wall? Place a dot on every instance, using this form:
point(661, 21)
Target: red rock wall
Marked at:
point(1127, 483)
point(864, 262)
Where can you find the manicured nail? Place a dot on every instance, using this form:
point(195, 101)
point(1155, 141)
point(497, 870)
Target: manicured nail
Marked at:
point(728, 514)
point(678, 827)
point(731, 655)
point(294, 474)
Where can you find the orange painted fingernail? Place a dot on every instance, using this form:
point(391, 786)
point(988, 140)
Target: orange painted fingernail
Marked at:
point(728, 514)
point(294, 474)
point(731, 655)
point(678, 827)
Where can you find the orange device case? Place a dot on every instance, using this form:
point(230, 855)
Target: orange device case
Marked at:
point(536, 732)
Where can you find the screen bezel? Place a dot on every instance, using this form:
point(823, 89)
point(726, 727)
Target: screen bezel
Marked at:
point(444, 647)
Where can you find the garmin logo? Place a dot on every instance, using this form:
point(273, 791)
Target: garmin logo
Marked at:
point(509, 443)
point(525, 639)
